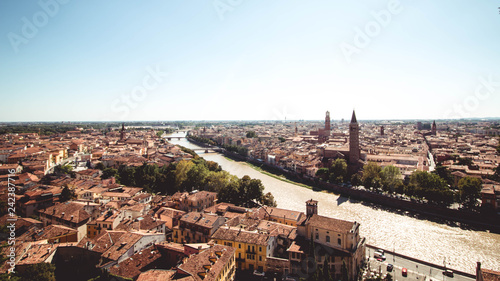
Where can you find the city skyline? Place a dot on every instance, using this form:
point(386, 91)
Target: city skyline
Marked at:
point(241, 60)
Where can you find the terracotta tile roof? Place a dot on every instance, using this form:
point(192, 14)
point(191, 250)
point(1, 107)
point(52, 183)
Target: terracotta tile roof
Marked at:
point(239, 235)
point(332, 224)
point(37, 253)
point(202, 195)
point(275, 229)
point(156, 275)
point(132, 267)
point(191, 217)
point(220, 255)
point(20, 249)
point(50, 231)
point(207, 220)
point(120, 247)
point(102, 242)
point(146, 222)
point(284, 213)
point(67, 211)
point(177, 247)
point(169, 212)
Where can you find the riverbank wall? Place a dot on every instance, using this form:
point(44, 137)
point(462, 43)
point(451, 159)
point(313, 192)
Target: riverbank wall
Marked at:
point(441, 267)
point(439, 214)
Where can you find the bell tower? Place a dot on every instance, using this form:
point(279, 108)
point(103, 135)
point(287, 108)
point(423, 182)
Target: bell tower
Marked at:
point(311, 207)
point(354, 151)
point(122, 132)
point(327, 121)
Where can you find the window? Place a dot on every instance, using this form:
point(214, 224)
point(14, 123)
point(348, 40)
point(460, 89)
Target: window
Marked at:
point(327, 239)
point(260, 258)
point(239, 245)
point(317, 236)
point(339, 241)
point(260, 249)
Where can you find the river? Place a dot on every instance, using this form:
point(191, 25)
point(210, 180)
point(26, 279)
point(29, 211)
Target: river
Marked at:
point(419, 238)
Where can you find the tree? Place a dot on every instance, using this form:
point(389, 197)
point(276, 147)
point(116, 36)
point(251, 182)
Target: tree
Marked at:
point(338, 170)
point(38, 272)
point(323, 173)
point(444, 173)
point(9, 277)
point(64, 169)
point(230, 193)
point(196, 177)
point(100, 166)
point(371, 171)
point(391, 178)
point(326, 274)
point(146, 176)
point(356, 179)
point(469, 190)
point(110, 172)
point(430, 186)
point(213, 166)
point(268, 200)
point(67, 194)
point(344, 271)
point(181, 171)
point(127, 175)
point(496, 175)
point(215, 181)
point(465, 161)
point(251, 134)
point(251, 189)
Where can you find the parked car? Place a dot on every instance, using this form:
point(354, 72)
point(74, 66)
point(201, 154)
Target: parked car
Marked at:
point(404, 271)
point(390, 267)
point(448, 272)
point(379, 256)
point(258, 273)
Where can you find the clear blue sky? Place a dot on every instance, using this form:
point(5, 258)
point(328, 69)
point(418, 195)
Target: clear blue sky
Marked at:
point(248, 60)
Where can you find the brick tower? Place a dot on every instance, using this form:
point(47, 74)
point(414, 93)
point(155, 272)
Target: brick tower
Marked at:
point(327, 121)
point(354, 151)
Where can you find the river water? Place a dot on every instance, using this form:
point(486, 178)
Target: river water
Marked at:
point(392, 230)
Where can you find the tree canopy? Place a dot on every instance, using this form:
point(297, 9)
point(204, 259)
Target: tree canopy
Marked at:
point(391, 178)
point(371, 175)
point(430, 186)
point(194, 174)
point(338, 171)
point(470, 191)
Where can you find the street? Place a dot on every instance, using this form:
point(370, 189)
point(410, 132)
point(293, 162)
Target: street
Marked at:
point(416, 271)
